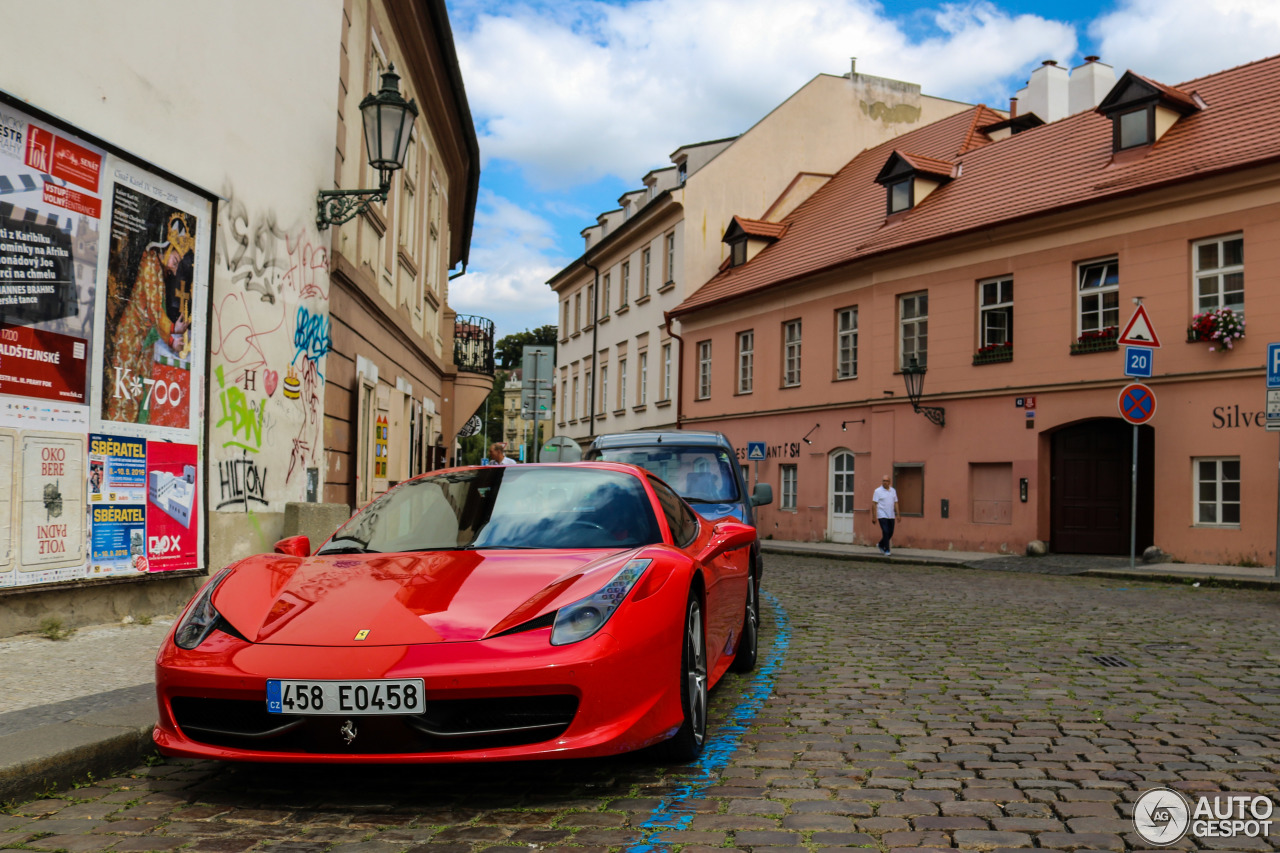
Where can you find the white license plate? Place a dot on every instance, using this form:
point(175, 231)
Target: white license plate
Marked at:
point(384, 696)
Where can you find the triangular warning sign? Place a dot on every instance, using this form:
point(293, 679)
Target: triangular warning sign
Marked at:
point(1139, 332)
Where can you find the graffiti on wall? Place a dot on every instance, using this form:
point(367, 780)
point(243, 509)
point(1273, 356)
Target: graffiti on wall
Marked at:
point(270, 336)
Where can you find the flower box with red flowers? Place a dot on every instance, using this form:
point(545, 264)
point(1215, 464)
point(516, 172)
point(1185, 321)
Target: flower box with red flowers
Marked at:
point(1221, 328)
point(993, 353)
point(1101, 340)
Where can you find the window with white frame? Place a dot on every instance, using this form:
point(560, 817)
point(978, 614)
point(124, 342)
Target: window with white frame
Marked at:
point(666, 371)
point(604, 295)
point(564, 397)
point(588, 394)
point(787, 487)
point(626, 282)
point(1217, 498)
point(704, 369)
point(575, 397)
point(1219, 273)
point(913, 328)
point(645, 266)
point(604, 387)
point(847, 343)
point(591, 304)
point(671, 258)
point(622, 382)
point(995, 312)
point(1099, 295)
point(643, 390)
point(577, 311)
point(564, 319)
point(791, 353)
point(746, 361)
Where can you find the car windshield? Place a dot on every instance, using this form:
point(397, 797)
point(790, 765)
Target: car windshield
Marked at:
point(702, 474)
point(504, 507)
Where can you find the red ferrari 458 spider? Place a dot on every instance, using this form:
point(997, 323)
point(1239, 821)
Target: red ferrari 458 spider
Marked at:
point(471, 614)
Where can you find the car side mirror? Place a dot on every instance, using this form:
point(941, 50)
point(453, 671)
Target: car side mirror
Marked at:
point(294, 546)
point(763, 494)
point(727, 536)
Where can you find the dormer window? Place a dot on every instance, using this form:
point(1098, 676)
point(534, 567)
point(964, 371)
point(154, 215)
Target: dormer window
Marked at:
point(747, 237)
point(682, 171)
point(1135, 128)
point(909, 178)
point(900, 196)
point(1142, 110)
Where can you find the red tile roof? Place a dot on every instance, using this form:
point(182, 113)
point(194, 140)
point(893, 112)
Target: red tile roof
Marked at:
point(758, 228)
point(1064, 164)
point(931, 166)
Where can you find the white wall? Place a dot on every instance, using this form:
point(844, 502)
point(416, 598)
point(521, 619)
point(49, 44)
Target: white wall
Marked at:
point(238, 97)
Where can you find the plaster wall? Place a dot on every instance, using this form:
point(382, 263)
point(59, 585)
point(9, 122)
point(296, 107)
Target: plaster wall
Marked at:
point(818, 129)
point(237, 97)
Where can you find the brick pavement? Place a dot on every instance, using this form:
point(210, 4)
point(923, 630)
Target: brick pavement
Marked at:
point(917, 707)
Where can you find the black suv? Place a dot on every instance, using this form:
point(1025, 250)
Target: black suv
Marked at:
point(701, 466)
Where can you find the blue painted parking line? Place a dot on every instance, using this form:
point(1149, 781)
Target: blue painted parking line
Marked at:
point(670, 815)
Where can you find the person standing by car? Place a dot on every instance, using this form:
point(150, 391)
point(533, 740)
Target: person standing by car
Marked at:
point(498, 455)
point(885, 501)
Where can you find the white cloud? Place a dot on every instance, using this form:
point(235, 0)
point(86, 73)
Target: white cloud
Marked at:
point(513, 253)
point(1177, 40)
point(577, 91)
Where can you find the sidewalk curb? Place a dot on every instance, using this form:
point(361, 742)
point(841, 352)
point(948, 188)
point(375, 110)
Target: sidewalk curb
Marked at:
point(58, 755)
point(1189, 579)
point(1205, 579)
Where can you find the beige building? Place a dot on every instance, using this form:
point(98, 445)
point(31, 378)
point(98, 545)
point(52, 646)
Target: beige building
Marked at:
point(618, 364)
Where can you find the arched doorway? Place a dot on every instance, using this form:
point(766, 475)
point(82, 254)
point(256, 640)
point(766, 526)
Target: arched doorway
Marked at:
point(840, 512)
point(1091, 486)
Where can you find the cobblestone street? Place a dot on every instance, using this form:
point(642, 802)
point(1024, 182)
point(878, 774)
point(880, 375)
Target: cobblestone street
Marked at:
point(896, 707)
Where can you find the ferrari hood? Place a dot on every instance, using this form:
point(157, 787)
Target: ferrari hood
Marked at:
point(397, 599)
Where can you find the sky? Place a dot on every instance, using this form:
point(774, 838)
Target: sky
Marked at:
point(575, 100)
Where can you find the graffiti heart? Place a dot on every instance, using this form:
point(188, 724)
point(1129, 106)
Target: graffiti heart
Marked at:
point(270, 378)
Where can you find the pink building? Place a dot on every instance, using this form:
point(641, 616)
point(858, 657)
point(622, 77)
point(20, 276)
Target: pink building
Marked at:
point(938, 246)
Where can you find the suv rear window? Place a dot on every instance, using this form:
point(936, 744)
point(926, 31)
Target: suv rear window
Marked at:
point(696, 473)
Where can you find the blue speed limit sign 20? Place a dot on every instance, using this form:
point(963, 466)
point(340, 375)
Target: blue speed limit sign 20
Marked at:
point(1137, 361)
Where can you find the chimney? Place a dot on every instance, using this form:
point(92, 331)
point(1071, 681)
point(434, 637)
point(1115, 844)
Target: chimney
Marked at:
point(1013, 107)
point(1090, 83)
point(1046, 92)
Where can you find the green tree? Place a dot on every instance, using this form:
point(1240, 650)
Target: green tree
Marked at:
point(510, 349)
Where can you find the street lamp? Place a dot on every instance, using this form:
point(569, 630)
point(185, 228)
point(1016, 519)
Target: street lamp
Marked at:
point(388, 127)
point(913, 375)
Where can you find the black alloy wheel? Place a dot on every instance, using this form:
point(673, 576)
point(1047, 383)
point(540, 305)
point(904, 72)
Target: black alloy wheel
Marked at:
point(744, 659)
point(691, 737)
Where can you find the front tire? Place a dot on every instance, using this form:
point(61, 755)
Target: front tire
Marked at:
point(691, 737)
point(744, 659)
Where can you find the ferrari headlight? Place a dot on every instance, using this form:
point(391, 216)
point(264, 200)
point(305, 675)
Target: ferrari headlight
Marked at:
point(583, 618)
point(201, 617)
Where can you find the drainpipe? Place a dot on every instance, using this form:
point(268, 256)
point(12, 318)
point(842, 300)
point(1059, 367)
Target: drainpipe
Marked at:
point(666, 319)
point(595, 331)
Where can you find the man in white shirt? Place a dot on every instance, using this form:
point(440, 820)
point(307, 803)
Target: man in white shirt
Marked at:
point(885, 506)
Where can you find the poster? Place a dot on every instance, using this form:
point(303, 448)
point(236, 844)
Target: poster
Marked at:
point(149, 334)
point(50, 207)
point(172, 506)
point(117, 505)
point(44, 364)
point(51, 523)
